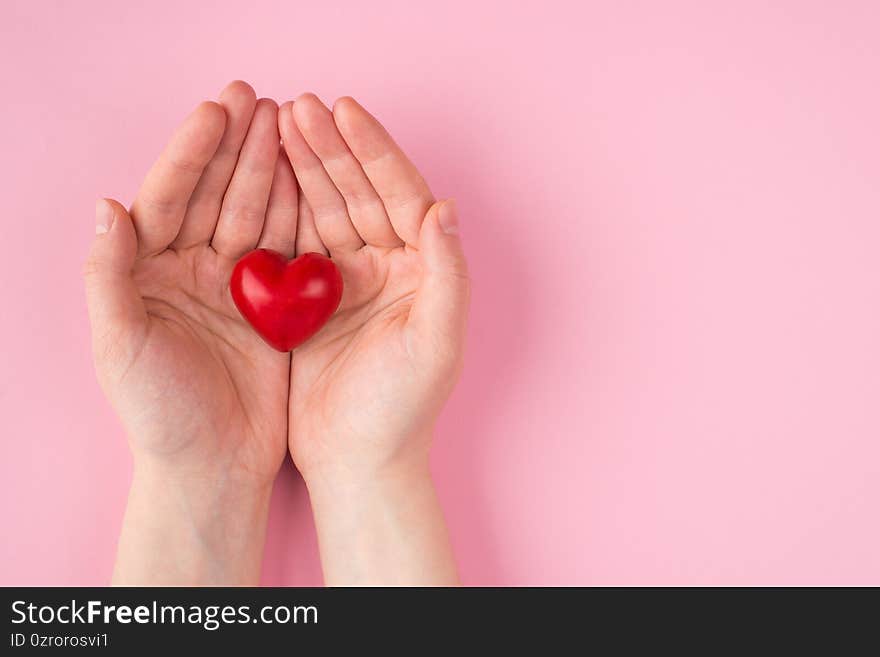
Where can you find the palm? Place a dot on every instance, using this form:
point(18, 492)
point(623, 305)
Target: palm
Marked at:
point(235, 389)
point(188, 376)
point(333, 389)
point(357, 387)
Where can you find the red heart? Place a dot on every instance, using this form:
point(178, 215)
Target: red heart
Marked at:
point(286, 302)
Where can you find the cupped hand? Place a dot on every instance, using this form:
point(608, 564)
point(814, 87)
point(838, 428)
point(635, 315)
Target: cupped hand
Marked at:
point(366, 390)
point(193, 384)
point(202, 398)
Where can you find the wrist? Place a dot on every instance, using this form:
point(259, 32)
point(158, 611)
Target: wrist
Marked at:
point(191, 528)
point(384, 528)
point(346, 478)
point(351, 464)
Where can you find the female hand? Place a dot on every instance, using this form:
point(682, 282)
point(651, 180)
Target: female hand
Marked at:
point(366, 390)
point(202, 398)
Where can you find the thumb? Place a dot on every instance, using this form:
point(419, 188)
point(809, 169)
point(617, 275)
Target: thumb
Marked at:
point(115, 305)
point(439, 313)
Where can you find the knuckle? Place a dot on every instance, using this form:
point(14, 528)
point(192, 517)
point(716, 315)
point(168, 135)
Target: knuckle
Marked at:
point(156, 205)
point(187, 166)
point(457, 273)
point(91, 267)
point(245, 213)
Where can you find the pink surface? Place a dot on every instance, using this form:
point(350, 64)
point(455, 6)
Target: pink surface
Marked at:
point(672, 212)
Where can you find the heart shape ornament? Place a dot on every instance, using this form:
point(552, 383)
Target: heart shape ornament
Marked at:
point(285, 302)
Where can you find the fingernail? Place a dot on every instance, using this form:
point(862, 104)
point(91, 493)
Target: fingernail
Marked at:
point(448, 217)
point(103, 216)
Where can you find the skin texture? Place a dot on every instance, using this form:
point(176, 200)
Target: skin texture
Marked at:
point(210, 409)
point(366, 391)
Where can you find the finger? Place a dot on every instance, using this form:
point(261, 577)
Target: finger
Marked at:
point(279, 230)
point(439, 315)
point(244, 206)
point(403, 191)
point(161, 203)
point(238, 100)
point(307, 238)
point(315, 123)
point(330, 213)
point(116, 310)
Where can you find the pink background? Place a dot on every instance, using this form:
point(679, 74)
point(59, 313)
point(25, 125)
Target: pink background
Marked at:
point(672, 211)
